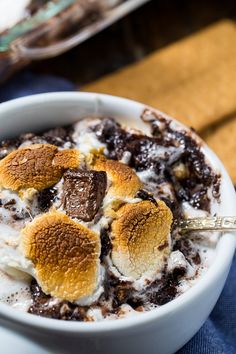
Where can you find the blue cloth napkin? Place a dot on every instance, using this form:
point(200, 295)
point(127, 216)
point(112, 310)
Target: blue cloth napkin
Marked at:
point(218, 334)
point(27, 83)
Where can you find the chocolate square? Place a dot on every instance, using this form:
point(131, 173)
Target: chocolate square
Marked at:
point(83, 193)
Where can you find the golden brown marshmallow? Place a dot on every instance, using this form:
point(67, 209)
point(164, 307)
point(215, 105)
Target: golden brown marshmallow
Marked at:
point(37, 166)
point(125, 182)
point(140, 238)
point(65, 255)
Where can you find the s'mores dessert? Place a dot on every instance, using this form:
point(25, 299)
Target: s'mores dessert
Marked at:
point(89, 218)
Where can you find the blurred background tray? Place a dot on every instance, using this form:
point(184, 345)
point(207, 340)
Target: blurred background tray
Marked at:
point(55, 27)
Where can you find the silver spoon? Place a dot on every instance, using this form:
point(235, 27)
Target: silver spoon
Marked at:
point(215, 223)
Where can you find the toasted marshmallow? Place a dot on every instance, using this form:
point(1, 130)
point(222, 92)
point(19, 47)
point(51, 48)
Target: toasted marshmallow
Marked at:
point(67, 159)
point(125, 182)
point(65, 255)
point(140, 238)
point(37, 166)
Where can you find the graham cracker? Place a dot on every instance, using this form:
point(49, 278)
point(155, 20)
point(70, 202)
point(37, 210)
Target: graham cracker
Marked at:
point(193, 80)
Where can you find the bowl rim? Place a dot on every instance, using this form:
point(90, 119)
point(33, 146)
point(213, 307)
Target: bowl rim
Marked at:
point(225, 251)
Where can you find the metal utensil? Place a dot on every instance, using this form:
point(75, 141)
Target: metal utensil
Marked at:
point(215, 223)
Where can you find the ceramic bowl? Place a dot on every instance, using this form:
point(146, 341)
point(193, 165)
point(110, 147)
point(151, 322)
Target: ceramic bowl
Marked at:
point(161, 331)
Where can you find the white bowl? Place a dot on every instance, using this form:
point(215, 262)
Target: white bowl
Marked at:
point(163, 330)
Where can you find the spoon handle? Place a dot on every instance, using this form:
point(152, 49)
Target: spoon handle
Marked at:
point(215, 223)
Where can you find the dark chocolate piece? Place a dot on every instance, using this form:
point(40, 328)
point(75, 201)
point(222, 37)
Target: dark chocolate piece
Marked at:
point(8, 145)
point(83, 193)
point(141, 147)
point(10, 205)
point(189, 251)
point(110, 132)
point(58, 136)
point(62, 310)
point(45, 198)
point(146, 196)
point(15, 214)
point(166, 292)
point(122, 293)
point(118, 290)
point(105, 243)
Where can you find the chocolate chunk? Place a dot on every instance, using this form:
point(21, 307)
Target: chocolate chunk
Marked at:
point(32, 138)
point(106, 244)
point(40, 303)
point(142, 158)
point(216, 187)
point(189, 251)
point(200, 199)
point(15, 214)
point(6, 146)
point(135, 303)
point(163, 246)
point(17, 217)
point(45, 198)
point(58, 136)
point(83, 193)
point(179, 272)
point(142, 147)
point(122, 293)
point(44, 305)
point(118, 290)
point(166, 292)
point(111, 133)
point(118, 141)
point(174, 207)
point(9, 205)
point(146, 196)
